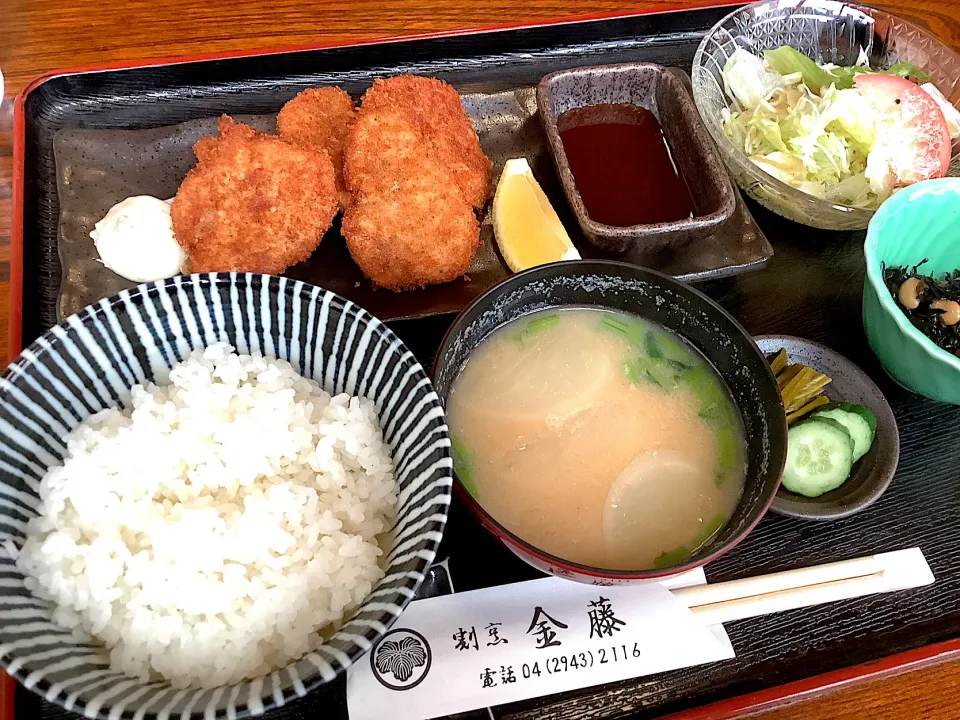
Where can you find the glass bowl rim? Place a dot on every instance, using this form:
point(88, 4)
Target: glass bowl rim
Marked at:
point(727, 148)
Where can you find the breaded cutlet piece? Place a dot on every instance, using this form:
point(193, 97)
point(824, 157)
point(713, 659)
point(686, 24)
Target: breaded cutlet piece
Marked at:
point(319, 119)
point(408, 224)
point(435, 107)
point(382, 146)
point(253, 203)
point(419, 232)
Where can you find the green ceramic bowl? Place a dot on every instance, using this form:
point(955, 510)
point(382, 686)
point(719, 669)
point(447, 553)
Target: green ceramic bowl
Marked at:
point(921, 221)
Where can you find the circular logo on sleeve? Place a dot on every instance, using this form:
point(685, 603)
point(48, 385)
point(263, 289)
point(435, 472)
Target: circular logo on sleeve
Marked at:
point(401, 660)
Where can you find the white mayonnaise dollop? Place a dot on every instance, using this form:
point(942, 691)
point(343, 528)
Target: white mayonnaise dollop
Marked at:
point(135, 239)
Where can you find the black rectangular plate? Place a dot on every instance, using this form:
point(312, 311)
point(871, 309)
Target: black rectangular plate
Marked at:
point(811, 288)
point(97, 168)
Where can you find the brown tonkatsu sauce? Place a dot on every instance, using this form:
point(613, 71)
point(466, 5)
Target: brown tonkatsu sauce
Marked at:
point(622, 166)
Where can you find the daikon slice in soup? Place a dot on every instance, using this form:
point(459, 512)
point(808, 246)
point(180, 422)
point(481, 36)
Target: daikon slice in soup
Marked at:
point(598, 437)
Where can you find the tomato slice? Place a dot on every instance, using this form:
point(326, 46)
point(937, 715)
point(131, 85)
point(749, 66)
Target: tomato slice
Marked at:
point(912, 132)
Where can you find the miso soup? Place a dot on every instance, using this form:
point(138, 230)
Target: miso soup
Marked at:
point(598, 437)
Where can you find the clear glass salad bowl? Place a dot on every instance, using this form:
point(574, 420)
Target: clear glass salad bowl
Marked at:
point(829, 32)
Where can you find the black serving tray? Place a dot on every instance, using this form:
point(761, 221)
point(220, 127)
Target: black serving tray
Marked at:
point(811, 288)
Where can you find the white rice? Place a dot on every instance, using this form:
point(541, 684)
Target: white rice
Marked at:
point(206, 533)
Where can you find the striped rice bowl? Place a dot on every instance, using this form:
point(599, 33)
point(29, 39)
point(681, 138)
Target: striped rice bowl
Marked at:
point(199, 480)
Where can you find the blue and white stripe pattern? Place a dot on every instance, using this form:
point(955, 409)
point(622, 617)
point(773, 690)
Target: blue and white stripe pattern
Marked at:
point(90, 362)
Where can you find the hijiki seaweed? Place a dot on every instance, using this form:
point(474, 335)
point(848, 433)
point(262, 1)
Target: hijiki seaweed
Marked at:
point(931, 304)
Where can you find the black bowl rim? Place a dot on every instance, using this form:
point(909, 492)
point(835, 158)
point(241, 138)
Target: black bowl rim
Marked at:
point(571, 267)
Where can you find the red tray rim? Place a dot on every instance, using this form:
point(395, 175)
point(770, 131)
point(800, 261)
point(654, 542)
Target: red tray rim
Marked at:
point(761, 700)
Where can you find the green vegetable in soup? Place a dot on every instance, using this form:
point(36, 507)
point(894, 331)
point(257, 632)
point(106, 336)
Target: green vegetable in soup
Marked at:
point(675, 352)
point(540, 324)
point(671, 558)
point(537, 325)
point(641, 370)
point(652, 347)
point(680, 555)
point(662, 346)
point(636, 372)
point(708, 391)
point(715, 408)
point(662, 375)
point(633, 331)
point(662, 360)
point(463, 465)
point(726, 452)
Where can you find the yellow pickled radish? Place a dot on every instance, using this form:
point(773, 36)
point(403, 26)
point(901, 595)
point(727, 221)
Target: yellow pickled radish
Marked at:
point(525, 224)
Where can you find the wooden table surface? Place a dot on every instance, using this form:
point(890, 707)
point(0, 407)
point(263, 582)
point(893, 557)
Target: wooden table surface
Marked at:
point(41, 35)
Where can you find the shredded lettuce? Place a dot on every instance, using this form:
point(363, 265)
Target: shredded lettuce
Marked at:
point(747, 80)
point(785, 60)
point(806, 124)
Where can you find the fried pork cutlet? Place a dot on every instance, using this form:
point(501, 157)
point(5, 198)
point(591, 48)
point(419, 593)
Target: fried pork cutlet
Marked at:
point(319, 119)
point(408, 224)
point(253, 203)
point(419, 232)
point(435, 108)
point(382, 147)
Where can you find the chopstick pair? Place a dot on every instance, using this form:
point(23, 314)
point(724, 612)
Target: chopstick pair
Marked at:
point(749, 597)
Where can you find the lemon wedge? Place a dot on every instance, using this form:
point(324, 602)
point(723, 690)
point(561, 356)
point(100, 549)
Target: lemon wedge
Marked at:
point(525, 224)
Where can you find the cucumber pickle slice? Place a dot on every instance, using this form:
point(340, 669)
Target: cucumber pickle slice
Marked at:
point(855, 424)
point(819, 457)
